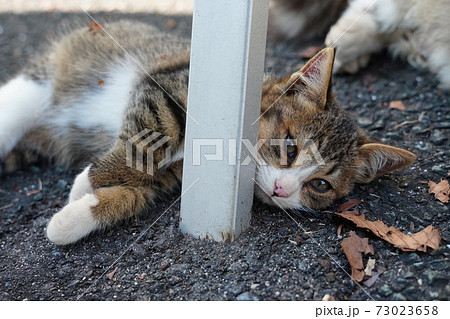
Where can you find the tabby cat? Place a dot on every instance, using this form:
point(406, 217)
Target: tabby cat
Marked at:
point(85, 98)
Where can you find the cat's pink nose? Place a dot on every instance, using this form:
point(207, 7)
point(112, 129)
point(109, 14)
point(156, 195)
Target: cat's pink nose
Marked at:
point(279, 191)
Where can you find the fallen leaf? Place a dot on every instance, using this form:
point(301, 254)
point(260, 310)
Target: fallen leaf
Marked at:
point(369, 267)
point(339, 229)
point(399, 105)
point(351, 203)
point(429, 237)
point(441, 190)
point(101, 82)
point(171, 23)
point(94, 26)
point(110, 276)
point(353, 247)
point(310, 52)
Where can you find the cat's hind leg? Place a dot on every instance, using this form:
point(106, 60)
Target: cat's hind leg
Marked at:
point(23, 103)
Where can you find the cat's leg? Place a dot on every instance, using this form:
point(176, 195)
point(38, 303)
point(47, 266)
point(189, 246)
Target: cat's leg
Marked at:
point(81, 186)
point(23, 102)
point(114, 192)
point(356, 35)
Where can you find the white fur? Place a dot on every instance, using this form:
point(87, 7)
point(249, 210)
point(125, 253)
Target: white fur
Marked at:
point(101, 108)
point(23, 102)
point(81, 186)
point(74, 221)
point(356, 37)
point(292, 180)
point(387, 15)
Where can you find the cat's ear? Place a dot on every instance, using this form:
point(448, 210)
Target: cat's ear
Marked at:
point(375, 159)
point(314, 79)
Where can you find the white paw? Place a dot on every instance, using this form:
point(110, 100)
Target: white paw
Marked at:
point(355, 37)
point(74, 221)
point(81, 186)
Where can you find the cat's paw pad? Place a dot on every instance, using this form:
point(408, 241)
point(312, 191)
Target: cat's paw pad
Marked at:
point(81, 186)
point(74, 221)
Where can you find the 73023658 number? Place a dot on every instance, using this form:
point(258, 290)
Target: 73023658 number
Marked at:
point(407, 310)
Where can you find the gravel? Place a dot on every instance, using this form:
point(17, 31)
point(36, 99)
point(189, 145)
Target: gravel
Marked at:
point(276, 259)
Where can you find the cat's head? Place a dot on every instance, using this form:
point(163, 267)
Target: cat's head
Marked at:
point(313, 152)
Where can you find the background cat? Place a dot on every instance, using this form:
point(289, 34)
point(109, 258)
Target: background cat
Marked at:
point(85, 98)
point(415, 30)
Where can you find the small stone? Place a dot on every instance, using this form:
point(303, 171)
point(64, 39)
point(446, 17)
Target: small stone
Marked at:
point(62, 183)
point(418, 129)
point(438, 168)
point(330, 277)
point(434, 294)
point(437, 137)
point(411, 292)
point(38, 197)
point(365, 122)
point(379, 124)
point(398, 297)
point(393, 136)
point(434, 278)
point(410, 259)
point(418, 266)
point(399, 284)
point(246, 297)
point(385, 290)
point(442, 125)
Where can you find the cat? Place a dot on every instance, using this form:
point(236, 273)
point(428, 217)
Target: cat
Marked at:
point(416, 30)
point(85, 98)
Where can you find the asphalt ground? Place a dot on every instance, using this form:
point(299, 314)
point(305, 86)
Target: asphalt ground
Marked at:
point(281, 257)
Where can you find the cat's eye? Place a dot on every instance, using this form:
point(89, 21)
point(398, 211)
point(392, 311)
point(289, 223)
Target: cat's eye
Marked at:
point(291, 149)
point(320, 185)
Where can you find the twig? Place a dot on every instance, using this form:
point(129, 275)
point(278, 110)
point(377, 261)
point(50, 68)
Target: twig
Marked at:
point(7, 206)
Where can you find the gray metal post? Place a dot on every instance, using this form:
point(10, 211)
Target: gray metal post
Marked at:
point(227, 64)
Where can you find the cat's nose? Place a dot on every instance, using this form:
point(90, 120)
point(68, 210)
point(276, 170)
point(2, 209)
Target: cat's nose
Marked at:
point(279, 191)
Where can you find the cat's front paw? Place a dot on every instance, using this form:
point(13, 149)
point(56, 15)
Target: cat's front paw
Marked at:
point(74, 221)
point(355, 37)
point(81, 186)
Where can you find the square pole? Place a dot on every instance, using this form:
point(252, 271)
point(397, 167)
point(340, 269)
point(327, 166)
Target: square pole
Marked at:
point(224, 99)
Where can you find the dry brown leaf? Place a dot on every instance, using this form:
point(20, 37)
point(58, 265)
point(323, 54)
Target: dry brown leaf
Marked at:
point(171, 23)
point(369, 267)
point(353, 247)
point(399, 105)
point(339, 229)
point(101, 82)
point(310, 52)
point(351, 203)
point(94, 26)
point(429, 237)
point(110, 276)
point(441, 190)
